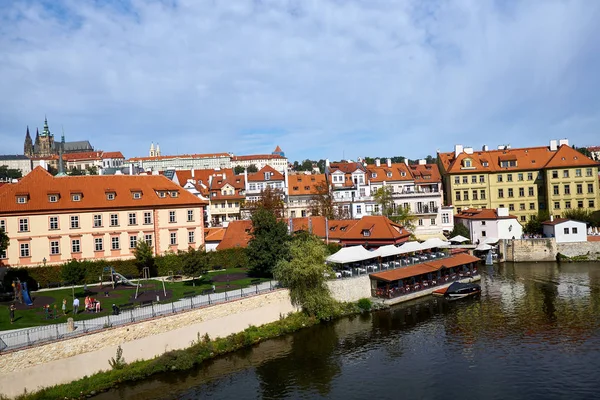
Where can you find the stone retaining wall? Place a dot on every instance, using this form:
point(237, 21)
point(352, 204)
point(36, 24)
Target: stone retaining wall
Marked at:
point(350, 289)
point(589, 249)
point(529, 250)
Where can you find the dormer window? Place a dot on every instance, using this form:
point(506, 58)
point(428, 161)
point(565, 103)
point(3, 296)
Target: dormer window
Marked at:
point(174, 193)
point(53, 198)
point(373, 175)
point(389, 174)
point(162, 194)
point(21, 199)
point(366, 232)
point(332, 228)
point(76, 197)
point(110, 195)
point(137, 195)
point(296, 187)
point(403, 174)
point(485, 164)
point(267, 176)
point(306, 187)
point(343, 228)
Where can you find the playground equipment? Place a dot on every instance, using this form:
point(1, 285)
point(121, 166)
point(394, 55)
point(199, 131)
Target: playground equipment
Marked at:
point(21, 292)
point(146, 277)
point(115, 277)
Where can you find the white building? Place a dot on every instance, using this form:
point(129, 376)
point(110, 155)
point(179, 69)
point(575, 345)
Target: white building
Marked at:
point(275, 161)
point(565, 230)
point(489, 225)
point(19, 162)
point(351, 190)
point(157, 162)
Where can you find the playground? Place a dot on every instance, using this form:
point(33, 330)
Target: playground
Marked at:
point(45, 306)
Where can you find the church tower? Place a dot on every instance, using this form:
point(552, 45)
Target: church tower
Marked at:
point(46, 141)
point(28, 146)
point(152, 153)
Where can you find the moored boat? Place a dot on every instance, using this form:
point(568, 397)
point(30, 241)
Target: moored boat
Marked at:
point(459, 290)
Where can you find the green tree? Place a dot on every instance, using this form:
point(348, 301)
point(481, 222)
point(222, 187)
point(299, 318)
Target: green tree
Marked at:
point(321, 202)
point(53, 171)
point(92, 170)
point(307, 165)
point(252, 168)
point(304, 274)
point(8, 173)
point(195, 262)
point(73, 272)
point(238, 170)
point(580, 214)
point(268, 242)
point(169, 261)
point(383, 197)
point(4, 241)
point(584, 151)
point(271, 199)
point(143, 256)
point(534, 225)
point(321, 165)
point(462, 230)
point(75, 171)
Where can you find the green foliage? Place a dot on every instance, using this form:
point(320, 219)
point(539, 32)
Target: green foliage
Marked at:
point(268, 243)
point(92, 170)
point(4, 241)
point(195, 262)
point(117, 362)
point(75, 171)
point(333, 248)
point(169, 261)
point(322, 202)
point(365, 304)
point(383, 197)
point(582, 215)
point(238, 170)
point(8, 173)
point(460, 229)
point(229, 258)
point(73, 272)
point(144, 256)
point(304, 274)
point(534, 225)
point(252, 169)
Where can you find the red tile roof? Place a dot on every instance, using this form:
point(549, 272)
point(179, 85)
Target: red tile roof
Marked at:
point(257, 157)
point(260, 175)
point(87, 155)
point(304, 184)
point(278, 149)
point(389, 174)
point(214, 234)
point(380, 230)
point(347, 167)
point(424, 268)
point(481, 214)
point(93, 188)
point(237, 234)
point(557, 221)
point(426, 173)
point(112, 154)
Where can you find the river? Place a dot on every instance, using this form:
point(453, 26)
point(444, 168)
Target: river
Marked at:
point(534, 334)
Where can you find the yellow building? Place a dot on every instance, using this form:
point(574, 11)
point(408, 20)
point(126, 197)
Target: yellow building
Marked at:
point(555, 178)
point(51, 220)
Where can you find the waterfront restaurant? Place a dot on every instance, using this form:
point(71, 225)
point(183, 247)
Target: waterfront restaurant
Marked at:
point(423, 276)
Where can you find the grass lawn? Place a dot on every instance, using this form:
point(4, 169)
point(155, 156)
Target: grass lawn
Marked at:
point(35, 315)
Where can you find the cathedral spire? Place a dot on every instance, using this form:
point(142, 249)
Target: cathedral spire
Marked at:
point(46, 131)
point(61, 164)
point(28, 146)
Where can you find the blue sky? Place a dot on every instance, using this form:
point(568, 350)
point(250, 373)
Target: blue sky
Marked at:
point(320, 78)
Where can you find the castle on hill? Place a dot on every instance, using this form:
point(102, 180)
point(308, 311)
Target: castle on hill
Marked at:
point(45, 146)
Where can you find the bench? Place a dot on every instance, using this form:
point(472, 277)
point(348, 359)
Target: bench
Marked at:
point(189, 294)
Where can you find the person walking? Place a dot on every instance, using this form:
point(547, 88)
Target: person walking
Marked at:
point(75, 306)
point(64, 307)
point(12, 313)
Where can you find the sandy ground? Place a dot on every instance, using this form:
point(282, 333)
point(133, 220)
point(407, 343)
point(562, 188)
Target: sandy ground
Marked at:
point(73, 368)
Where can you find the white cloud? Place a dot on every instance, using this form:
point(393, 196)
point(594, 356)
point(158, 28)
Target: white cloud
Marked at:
point(320, 78)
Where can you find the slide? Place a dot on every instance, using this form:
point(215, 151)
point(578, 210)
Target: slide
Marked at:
point(123, 280)
point(25, 292)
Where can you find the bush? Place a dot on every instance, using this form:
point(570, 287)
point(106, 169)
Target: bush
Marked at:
point(365, 304)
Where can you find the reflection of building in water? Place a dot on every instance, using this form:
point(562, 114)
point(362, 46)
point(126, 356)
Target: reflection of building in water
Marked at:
point(574, 286)
point(511, 294)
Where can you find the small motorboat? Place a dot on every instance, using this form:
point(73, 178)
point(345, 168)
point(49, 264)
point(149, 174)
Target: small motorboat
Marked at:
point(459, 290)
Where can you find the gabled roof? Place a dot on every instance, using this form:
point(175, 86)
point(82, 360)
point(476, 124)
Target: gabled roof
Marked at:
point(112, 154)
point(304, 184)
point(258, 157)
point(237, 234)
point(82, 156)
point(347, 167)
point(481, 214)
point(260, 175)
point(425, 173)
point(557, 221)
point(277, 149)
point(93, 188)
point(425, 268)
point(379, 228)
point(214, 234)
point(566, 156)
point(389, 174)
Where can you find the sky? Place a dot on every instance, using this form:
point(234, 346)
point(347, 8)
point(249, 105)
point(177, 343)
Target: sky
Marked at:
point(320, 78)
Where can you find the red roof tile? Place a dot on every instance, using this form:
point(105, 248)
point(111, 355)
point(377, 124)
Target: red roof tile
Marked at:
point(378, 228)
point(424, 268)
point(208, 155)
point(257, 157)
point(397, 172)
point(237, 234)
point(481, 214)
point(304, 184)
point(260, 175)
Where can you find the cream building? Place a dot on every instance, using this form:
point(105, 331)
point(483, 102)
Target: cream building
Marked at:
point(275, 160)
point(20, 162)
point(51, 220)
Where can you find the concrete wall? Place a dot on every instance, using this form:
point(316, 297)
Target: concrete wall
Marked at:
point(352, 289)
point(69, 360)
point(589, 249)
point(527, 250)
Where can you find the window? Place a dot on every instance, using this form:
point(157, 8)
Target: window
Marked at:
point(567, 189)
point(481, 179)
point(483, 233)
point(114, 243)
point(24, 247)
point(531, 191)
point(510, 192)
point(521, 192)
point(359, 209)
point(511, 207)
point(520, 176)
point(75, 246)
point(53, 223)
point(482, 194)
point(522, 206)
point(556, 205)
point(22, 199)
point(567, 204)
point(110, 196)
point(98, 244)
point(499, 178)
point(474, 179)
point(53, 198)
point(173, 237)
point(445, 218)
point(578, 172)
point(457, 196)
point(23, 225)
point(530, 176)
point(190, 214)
point(580, 204)
point(148, 239)
point(485, 163)
point(147, 218)
point(554, 174)
point(574, 230)
point(132, 242)
point(591, 204)
point(523, 218)
point(579, 188)
point(76, 197)
point(465, 179)
point(174, 193)
point(303, 213)
point(162, 194)
point(566, 173)
point(3, 254)
point(191, 237)
point(54, 249)
point(542, 206)
point(172, 215)
point(2, 225)
point(137, 195)
point(501, 206)
point(532, 206)
point(474, 194)
point(456, 180)
point(482, 223)
point(114, 219)
point(555, 189)
point(420, 222)
point(432, 221)
point(509, 177)
point(466, 195)
point(566, 230)
point(467, 163)
point(222, 206)
point(74, 221)
point(132, 219)
point(588, 172)
point(500, 193)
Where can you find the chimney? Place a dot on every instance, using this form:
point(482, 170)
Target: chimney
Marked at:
point(193, 174)
point(285, 181)
point(377, 162)
point(551, 218)
point(502, 212)
point(100, 171)
point(458, 148)
point(485, 147)
point(508, 146)
point(389, 162)
point(422, 162)
point(246, 179)
point(563, 141)
point(468, 150)
point(553, 145)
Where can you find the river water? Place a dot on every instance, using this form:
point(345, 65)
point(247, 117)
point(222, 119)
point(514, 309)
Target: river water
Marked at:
point(534, 334)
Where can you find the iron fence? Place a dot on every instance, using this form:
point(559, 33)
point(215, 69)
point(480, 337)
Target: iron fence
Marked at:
point(50, 333)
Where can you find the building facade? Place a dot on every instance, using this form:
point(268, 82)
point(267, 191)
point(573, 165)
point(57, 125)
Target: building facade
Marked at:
point(301, 191)
point(156, 162)
point(553, 178)
point(489, 224)
point(275, 161)
point(565, 230)
point(18, 162)
point(51, 220)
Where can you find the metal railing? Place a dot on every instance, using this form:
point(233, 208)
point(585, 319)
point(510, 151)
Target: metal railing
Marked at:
point(17, 339)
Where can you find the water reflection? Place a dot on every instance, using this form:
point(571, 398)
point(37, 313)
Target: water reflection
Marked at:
point(533, 334)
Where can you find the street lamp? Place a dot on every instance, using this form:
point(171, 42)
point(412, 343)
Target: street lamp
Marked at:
point(44, 261)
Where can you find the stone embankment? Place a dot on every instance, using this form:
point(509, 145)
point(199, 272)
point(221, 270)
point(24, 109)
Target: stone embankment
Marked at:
point(546, 249)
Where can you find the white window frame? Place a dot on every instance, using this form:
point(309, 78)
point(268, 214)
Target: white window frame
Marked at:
point(115, 243)
point(24, 250)
point(98, 244)
point(191, 237)
point(97, 220)
point(190, 215)
point(132, 218)
point(74, 221)
point(132, 241)
point(148, 239)
point(54, 248)
point(23, 224)
point(147, 218)
point(53, 223)
point(172, 217)
point(75, 246)
point(114, 219)
point(172, 238)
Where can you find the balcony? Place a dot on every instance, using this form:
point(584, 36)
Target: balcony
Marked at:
point(426, 210)
point(417, 193)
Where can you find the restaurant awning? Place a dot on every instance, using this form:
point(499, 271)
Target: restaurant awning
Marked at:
point(351, 254)
point(434, 243)
point(410, 247)
point(459, 239)
point(387, 251)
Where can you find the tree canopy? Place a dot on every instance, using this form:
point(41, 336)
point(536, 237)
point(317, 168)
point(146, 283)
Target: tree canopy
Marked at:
point(238, 170)
point(4, 241)
point(268, 242)
point(271, 199)
point(252, 168)
point(196, 262)
point(9, 173)
point(143, 256)
point(534, 225)
point(462, 230)
point(581, 214)
point(321, 203)
point(304, 273)
point(73, 272)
